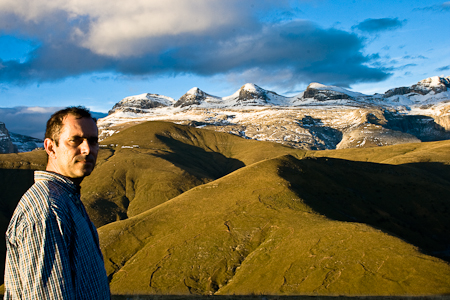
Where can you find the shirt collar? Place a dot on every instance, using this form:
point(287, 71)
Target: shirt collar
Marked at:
point(58, 179)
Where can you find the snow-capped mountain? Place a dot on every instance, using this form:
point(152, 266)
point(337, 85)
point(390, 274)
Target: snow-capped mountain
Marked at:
point(321, 117)
point(248, 95)
point(141, 103)
point(196, 96)
point(433, 84)
point(252, 95)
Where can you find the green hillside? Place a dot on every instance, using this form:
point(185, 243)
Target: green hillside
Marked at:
point(182, 210)
point(166, 161)
point(251, 232)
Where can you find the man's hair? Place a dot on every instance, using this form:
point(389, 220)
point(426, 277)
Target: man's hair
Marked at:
point(55, 123)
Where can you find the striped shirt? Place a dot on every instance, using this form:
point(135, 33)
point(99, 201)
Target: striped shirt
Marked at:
point(52, 247)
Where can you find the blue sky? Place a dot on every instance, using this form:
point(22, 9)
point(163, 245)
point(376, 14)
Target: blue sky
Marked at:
point(96, 52)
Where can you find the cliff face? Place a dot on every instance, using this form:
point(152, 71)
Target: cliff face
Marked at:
point(6, 145)
point(423, 87)
point(315, 92)
point(141, 103)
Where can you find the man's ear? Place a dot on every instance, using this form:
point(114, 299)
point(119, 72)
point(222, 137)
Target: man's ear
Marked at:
point(49, 146)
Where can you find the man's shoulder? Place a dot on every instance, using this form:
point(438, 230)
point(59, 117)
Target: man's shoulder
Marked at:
point(31, 210)
point(39, 199)
point(36, 207)
point(34, 203)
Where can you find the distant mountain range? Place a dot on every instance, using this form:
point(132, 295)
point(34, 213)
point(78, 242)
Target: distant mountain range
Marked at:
point(321, 117)
point(428, 91)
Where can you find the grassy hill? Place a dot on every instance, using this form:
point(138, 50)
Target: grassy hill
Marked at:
point(182, 210)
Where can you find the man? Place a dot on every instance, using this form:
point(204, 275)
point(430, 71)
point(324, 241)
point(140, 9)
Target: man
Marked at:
point(52, 247)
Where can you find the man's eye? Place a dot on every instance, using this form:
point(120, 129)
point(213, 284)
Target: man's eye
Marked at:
point(75, 141)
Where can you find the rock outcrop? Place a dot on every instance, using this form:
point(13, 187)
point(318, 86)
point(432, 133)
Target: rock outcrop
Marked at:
point(6, 145)
point(193, 97)
point(433, 84)
point(322, 93)
point(141, 103)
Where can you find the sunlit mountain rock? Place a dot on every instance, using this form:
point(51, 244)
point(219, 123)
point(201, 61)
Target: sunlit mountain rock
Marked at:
point(321, 117)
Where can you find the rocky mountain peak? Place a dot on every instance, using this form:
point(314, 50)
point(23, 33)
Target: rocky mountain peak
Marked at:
point(434, 84)
point(322, 92)
point(252, 93)
point(6, 145)
point(140, 103)
point(196, 92)
point(321, 117)
point(194, 96)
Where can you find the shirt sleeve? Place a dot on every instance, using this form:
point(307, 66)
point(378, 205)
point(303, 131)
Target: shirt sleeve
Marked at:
point(44, 262)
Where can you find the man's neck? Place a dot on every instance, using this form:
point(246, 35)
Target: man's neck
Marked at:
point(76, 181)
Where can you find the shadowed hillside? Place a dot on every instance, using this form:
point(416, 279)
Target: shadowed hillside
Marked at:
point(252, 232)
point(153, 162)
point(189, 211)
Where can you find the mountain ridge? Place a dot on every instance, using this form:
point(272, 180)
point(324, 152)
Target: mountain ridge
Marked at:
point(321, 117)
point(317, 91)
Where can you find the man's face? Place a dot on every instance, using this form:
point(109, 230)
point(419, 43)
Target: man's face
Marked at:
point(77, 150)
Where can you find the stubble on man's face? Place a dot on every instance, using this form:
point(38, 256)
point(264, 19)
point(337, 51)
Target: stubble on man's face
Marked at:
point(77, 150)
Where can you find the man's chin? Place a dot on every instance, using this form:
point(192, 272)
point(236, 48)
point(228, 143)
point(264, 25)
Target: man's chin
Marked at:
point(81, 173)
point(85, 168)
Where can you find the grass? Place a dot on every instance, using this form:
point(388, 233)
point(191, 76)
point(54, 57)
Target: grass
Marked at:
point(224, 239)
point(200, 212)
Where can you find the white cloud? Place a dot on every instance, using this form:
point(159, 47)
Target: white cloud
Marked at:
point(130, 28)
point(130, 32)
point(202, 37)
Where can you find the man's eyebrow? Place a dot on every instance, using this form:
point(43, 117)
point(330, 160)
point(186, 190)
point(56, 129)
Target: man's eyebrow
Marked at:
point(89, 137)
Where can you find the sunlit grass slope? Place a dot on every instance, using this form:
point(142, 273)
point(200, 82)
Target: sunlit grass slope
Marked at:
point(148, 164)
point(252, 232)
point(182, 210)
point(438, 152)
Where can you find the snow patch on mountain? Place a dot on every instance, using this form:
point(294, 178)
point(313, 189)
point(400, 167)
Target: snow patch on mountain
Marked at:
point(321, 117)
point(142, 103)
point(26, 143)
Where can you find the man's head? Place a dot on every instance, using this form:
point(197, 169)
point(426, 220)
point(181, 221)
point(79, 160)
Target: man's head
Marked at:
point(71, 142)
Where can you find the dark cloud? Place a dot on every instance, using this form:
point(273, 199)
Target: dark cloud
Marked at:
point(28, 121)
point(51, 63)
point(31, 121)
point(378, 25)
point(445, 68)
point(300, 48)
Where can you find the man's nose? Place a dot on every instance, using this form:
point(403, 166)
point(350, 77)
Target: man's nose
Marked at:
point(85, 147)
